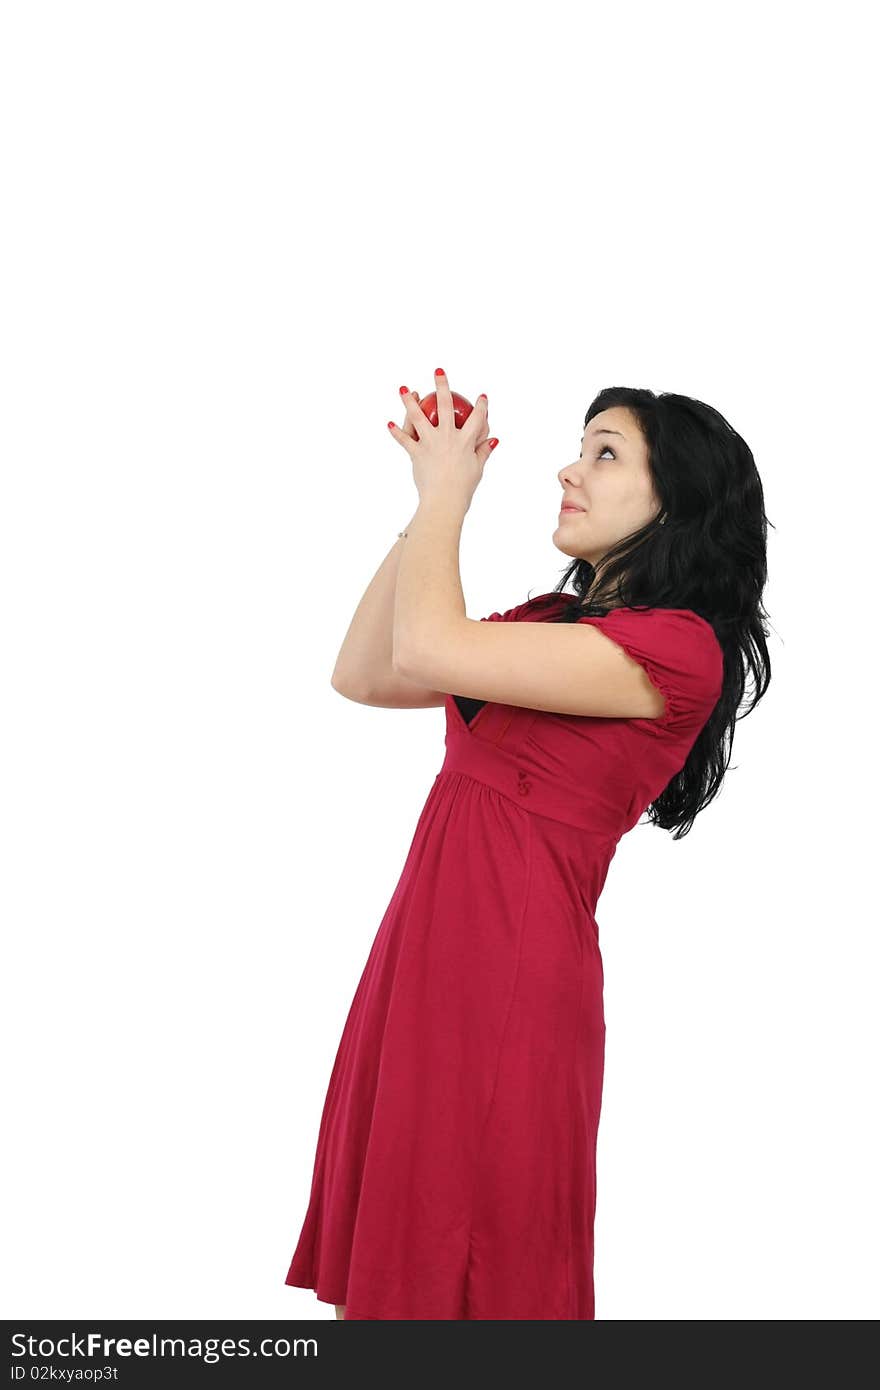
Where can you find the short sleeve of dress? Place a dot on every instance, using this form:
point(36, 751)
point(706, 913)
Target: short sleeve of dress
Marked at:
point(681, 655)
point(515, 615)
point(510, 616)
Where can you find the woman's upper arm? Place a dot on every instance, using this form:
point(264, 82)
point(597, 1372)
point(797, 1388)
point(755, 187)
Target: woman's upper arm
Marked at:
point(662, 665)
point(397, 691)
point(394, 691)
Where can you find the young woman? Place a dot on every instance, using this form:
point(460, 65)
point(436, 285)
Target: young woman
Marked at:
point(455, 1170)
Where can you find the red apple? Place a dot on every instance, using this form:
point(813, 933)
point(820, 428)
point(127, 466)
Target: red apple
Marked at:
point(461, 409)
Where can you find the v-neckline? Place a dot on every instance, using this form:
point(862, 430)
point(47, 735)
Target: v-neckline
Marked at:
point(469, 725)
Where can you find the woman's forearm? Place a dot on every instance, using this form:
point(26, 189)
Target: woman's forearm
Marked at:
point(428, 600)
point(364, 658)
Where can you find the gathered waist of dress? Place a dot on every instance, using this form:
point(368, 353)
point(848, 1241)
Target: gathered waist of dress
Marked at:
point(533, 789)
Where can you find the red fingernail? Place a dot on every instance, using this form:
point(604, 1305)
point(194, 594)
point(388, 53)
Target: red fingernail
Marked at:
point(438, 371)
point(391, 424)
point(403, 390)
point(482, 396)
point(492, 443)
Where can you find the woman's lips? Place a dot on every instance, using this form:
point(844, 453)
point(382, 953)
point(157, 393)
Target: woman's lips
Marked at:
point(570, 509)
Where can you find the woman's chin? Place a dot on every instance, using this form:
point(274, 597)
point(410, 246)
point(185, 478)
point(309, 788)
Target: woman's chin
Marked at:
point(565, 525)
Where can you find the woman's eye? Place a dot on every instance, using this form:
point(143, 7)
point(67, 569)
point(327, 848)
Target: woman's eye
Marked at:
point(606, 448)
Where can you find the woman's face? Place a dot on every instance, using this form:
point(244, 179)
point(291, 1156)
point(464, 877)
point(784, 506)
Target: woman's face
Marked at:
point(610, 484)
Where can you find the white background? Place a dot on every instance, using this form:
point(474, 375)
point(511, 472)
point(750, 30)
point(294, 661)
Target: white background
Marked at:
point(231, 231)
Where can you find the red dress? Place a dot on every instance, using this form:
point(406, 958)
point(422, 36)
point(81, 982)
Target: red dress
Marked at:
point(455, 1170)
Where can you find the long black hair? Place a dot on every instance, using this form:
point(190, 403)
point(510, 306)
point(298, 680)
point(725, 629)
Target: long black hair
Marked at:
point(705, 550)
